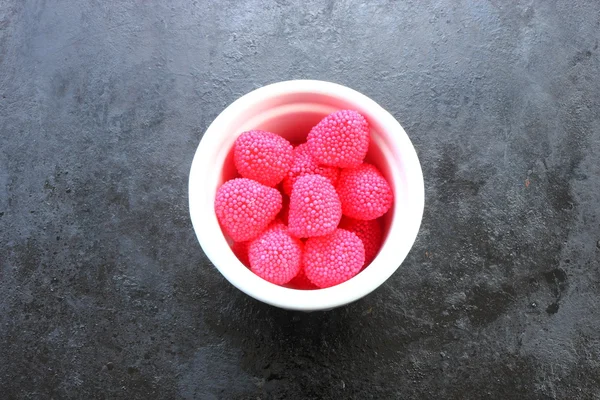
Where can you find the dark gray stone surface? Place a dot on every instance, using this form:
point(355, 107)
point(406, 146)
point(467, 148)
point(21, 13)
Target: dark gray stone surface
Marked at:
point(106, 294)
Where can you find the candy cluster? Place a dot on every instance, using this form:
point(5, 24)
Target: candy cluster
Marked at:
point(309, 216)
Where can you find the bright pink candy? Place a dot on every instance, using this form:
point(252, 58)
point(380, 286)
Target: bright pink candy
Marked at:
point(245, 208)
point(369, 232)
point(304, 164)
point(340, 140)
point(333, 259)
point(364, 192)
point(275, 255)
point(262, 156)
point(315, 207)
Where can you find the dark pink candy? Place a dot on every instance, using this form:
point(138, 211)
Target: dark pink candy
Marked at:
point(364, 192)
point(245, 208)
point(275, 255)
point(262, 156)
point(304, 164)
point(340, 140)
point(369, 232)
point(315, 207)
point(332, 259)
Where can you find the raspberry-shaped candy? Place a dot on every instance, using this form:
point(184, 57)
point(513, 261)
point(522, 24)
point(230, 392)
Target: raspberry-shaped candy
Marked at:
point(301, 282)
point(262, 156)
point(369, 232)
point(245, 208)
point(364, 192)
point(275, 255)
point(303, 164)
point(333, 259)
point(315, 207)
point(340, 140)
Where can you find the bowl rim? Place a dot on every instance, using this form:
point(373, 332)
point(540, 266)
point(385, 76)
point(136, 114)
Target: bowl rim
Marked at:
point(218, 251)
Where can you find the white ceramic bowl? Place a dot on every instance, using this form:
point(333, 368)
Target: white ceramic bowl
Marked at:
point(290, 109)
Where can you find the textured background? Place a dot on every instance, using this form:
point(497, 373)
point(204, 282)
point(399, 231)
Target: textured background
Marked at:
point(106, 294)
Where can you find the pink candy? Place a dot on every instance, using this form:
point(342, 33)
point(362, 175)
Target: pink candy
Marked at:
point(245, 208)
point(262, 156)
point(305, 164)
point(275, 255)
point(299, 241)
point(340, 140)
point(369, 232)
point(333, 259)
point(364, 192)
point(315, 207)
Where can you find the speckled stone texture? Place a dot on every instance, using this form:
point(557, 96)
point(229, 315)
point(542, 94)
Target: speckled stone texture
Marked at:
point(106, 294)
